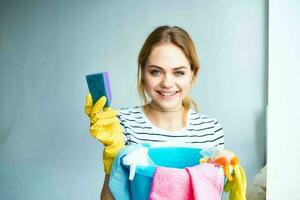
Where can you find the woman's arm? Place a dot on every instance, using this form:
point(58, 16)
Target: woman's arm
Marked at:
point(106, 194)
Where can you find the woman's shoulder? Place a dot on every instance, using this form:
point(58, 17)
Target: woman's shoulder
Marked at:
point(198, 116)
point(132, 118)
point(208, 125)
point(130, 112)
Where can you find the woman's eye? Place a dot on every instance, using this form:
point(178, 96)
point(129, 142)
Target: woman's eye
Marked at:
point(179, 73)
point(155, 72)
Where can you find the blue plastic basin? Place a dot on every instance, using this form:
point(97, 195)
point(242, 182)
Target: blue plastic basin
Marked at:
point(175, 157)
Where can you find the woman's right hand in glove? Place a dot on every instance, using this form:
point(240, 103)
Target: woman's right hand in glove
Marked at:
point(105, 126)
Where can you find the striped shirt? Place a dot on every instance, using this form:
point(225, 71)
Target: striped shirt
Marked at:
point(201, 131)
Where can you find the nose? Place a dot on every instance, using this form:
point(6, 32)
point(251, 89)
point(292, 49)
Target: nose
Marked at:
point(167, 81)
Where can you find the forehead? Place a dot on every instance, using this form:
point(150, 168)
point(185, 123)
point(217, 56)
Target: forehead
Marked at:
point(167, 56)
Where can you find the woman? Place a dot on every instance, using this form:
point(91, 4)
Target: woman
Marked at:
point(167, 69)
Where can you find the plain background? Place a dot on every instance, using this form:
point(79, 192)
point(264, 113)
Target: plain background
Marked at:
point(47, 48)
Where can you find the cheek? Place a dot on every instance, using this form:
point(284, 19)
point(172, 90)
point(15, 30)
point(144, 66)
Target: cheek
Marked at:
point(150, 83)
point(185, 84)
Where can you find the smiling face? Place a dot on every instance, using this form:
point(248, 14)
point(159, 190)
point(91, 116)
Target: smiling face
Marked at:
point(167, 77)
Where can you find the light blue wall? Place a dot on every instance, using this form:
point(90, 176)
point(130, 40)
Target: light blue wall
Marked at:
point(47, 47)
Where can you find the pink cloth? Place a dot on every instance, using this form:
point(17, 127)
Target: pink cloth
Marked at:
point(201, 182)
point(171, 184)
point(207, 181)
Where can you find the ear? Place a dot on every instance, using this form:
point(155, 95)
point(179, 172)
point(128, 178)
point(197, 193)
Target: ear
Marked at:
point(195, 72)
point(193, 80)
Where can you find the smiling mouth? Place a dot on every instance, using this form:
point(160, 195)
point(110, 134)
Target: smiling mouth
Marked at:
point(167, 94)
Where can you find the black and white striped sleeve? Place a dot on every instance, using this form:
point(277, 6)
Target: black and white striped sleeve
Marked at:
point(219, 135)
point(121, 121)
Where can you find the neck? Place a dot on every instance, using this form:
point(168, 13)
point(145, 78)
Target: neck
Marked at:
point(165, 111)
point(165, 119)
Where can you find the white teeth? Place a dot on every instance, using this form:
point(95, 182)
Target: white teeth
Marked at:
point(167, 94)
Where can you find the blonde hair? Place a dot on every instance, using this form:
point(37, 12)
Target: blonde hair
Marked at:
point(168, 35)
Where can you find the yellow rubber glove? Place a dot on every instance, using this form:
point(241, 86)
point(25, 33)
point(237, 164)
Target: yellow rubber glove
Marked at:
point(106, 128)
point(237, 187)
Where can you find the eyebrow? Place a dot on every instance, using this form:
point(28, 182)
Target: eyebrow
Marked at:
point(176, 68)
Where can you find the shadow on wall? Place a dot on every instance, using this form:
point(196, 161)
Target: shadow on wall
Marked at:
point(260, 135)
point(5, 130)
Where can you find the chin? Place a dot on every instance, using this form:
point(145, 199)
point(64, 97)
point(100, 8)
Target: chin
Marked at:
point(168, 105)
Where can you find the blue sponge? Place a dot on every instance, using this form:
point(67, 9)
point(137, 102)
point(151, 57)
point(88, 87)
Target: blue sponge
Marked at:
point(99, 86)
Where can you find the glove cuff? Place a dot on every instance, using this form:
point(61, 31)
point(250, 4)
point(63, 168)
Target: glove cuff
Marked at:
point(107, 165)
